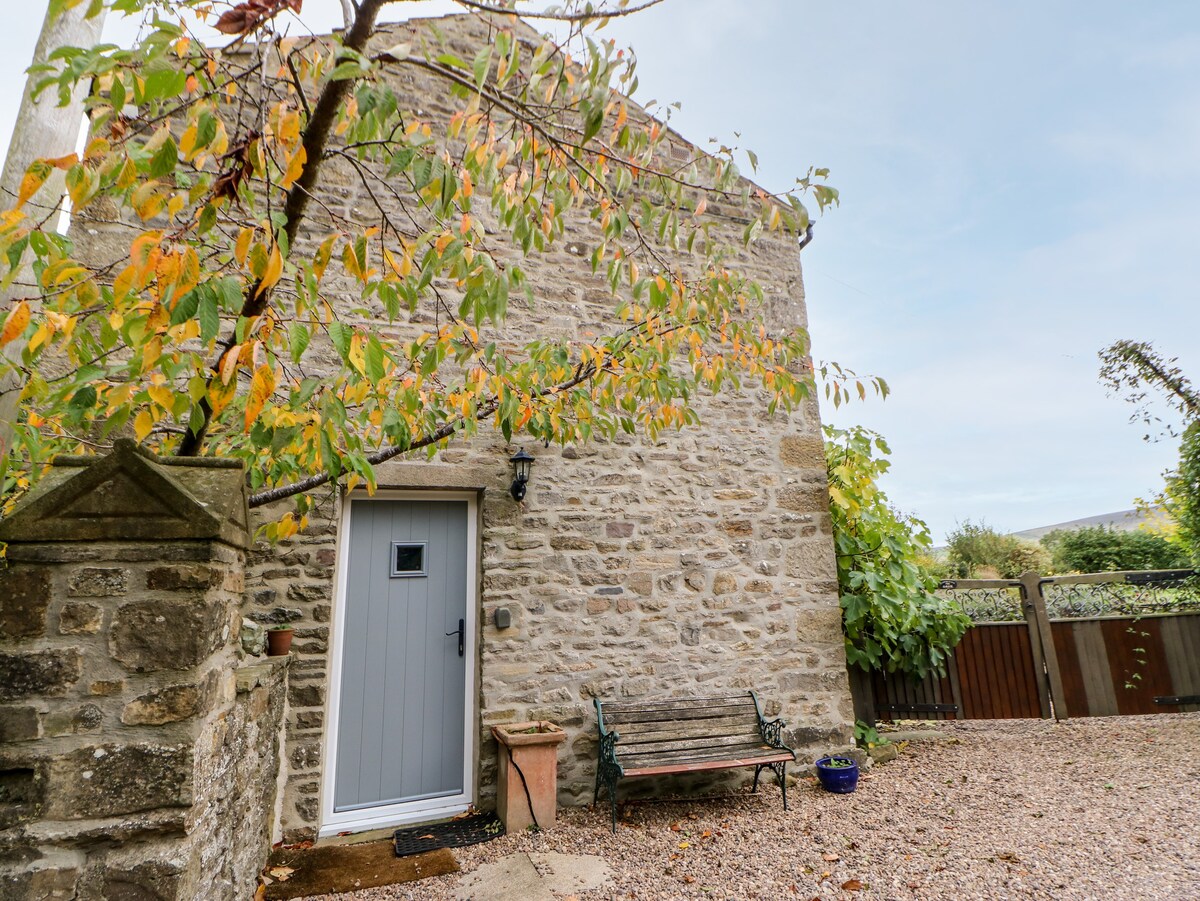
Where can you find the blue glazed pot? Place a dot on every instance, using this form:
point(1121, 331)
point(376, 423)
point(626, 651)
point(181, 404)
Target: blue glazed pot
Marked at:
point(839, 779)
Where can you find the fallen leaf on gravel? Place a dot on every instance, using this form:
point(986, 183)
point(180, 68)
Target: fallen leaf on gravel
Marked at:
point(683, 846)
point(852, 885)
point(1009, 856)
point(688, 879)
point(706, 834)
point(675, 827)
point(830, 856)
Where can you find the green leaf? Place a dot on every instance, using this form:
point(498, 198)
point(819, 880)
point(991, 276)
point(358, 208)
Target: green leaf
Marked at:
point(298, 338)
point(165, 159)
point(374, 359)
point(185, 309)
point(210, 318)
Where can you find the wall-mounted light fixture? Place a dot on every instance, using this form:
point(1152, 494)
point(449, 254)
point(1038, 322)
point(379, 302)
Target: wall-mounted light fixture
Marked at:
point(522, 463)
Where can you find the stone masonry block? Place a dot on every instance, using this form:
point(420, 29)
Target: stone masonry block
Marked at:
point(110, 780)
point(184, 577)
point(804, 498)
point(169, 634)
point(98, 582)
point(79, 617)
point(306, 695)
point(803, 452)
point(24, 598)
point(74, 720)
point(19, 724)
point(811, 560)
point(168, 705)
point(39, 673)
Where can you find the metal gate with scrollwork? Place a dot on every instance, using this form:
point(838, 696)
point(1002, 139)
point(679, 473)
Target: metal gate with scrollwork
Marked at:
point(1098, 644)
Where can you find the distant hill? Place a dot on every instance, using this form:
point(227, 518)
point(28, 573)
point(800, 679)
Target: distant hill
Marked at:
point(1124, 521)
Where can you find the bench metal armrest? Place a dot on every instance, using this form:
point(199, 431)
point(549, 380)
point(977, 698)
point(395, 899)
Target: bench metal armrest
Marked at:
point(771, 730)
point(608, 739)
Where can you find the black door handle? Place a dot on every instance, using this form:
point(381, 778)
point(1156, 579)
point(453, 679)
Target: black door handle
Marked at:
point(461, 633)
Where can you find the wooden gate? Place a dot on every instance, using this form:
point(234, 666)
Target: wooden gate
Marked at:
point(1039, 649)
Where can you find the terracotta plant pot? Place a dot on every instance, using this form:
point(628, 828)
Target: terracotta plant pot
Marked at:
point(528, 750)
point(279, 642)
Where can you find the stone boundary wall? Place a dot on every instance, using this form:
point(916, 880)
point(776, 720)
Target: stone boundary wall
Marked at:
point(136, 759)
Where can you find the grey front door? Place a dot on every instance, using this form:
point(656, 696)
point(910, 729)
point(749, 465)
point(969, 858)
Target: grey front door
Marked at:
point(402, 698)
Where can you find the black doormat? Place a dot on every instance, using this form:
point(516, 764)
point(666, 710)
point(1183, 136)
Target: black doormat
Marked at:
point(472, 830)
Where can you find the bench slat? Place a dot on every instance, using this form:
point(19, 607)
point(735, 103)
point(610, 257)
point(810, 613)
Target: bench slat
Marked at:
point(678, 703)
point(667, 769)
point(730, 752)
point(660, 716)
point(691, 742)
point(728, 725)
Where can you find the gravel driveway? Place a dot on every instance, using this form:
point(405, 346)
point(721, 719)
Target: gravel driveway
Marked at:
point(1093, 808)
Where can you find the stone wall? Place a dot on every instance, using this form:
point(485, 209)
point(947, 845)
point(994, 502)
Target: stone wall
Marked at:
point(696, 564)
point(132, 749)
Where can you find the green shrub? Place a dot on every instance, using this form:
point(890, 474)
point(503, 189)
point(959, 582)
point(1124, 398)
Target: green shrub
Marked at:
point(1098, 549)
point(891, 617)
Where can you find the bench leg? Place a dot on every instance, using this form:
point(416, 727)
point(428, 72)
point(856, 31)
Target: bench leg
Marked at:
point(757, 771)
point(781, 774)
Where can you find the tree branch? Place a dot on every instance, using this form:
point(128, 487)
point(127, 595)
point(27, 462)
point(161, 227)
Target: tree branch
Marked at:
point(316, 136)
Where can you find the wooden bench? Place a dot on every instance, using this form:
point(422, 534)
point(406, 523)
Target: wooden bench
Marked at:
point(686, 735)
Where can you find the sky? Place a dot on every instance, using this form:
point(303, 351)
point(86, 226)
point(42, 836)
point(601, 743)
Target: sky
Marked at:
point(1019, 188)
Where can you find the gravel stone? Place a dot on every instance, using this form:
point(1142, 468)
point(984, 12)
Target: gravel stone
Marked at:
point(1102, 808)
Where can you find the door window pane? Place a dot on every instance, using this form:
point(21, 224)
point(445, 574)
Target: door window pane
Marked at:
point(408, 559)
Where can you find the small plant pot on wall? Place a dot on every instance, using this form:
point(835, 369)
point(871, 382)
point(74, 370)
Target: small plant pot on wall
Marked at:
point(837, 774)
point(527, 786)
point(279, 642)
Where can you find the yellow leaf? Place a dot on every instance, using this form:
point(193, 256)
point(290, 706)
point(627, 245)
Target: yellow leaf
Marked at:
point(261, 386)
point(15, 323)
point(146, 200)
point(162, 395)
point(39, 337)
point(229, 364)
point(243, 245)
point(295, 167)
point(273, 271)
point(128, 174)
point(220, 395)
point(34, 178)
point(142, 425)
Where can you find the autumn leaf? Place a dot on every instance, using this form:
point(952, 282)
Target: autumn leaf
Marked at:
point(33, 179)
point(852, 885)
point(295, 167)
point(830, 856)
point(15, 322)
point(272, 272)
point(261, 386)
point(283, 874)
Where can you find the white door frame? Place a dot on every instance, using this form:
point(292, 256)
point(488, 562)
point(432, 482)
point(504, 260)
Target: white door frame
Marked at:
point(362, 819)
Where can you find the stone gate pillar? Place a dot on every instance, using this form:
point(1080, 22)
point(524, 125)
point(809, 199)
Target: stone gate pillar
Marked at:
point(128, 757)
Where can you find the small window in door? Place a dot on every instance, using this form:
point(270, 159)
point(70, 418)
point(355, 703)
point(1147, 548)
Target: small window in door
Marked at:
point(408, 559)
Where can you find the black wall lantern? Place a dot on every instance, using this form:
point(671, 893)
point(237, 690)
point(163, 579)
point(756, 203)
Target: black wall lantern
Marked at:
point(522, 463)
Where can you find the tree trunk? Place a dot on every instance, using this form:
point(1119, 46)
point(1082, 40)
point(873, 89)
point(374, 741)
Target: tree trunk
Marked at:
point(43, 129)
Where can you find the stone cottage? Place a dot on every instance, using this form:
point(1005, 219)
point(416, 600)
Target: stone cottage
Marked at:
point(693, 565)
point(697, 564)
